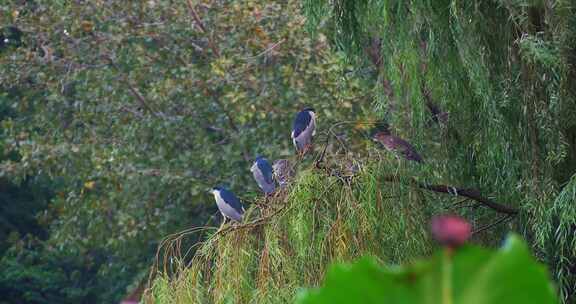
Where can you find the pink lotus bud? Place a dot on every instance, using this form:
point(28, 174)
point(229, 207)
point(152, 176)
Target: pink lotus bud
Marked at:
point(450, 230)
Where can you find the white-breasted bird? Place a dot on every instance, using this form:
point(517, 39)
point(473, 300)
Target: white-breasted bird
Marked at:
point(303, 128)
point(228, 204)
point(263, 174)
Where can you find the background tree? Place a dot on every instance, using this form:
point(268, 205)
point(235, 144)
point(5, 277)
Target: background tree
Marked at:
point(137, 109)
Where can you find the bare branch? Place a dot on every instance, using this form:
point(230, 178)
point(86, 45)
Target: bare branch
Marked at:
point(486, 227)
point(202, 27)
point(132, 88)
point(140, 98)
point(268, 50)
point(468, 193)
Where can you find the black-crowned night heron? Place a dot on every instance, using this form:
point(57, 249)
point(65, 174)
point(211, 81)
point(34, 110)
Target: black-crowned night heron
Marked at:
point(263, 174)
point(397, 145)
point(303, 128)
point(228, 204)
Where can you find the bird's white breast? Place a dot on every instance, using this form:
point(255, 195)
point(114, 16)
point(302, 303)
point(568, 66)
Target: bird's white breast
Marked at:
point(225, 209)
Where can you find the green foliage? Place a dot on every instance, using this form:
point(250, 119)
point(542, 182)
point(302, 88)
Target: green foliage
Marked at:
point(20, 207)
point(320, 219)
point(138, 108)
point(33, 272)
point(314, 223)
point(140, 117)
point(469, 275)
point(502, 71)
point(558, 240)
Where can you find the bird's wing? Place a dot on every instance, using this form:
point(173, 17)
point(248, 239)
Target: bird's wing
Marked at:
point(254, 166)
point(266, 170)
point(407, 150)
point(232, 200)
point(413, 155)
point(301, 122)
point(313, 123)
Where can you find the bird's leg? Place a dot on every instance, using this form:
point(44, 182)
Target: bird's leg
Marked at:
point(399, 161)
point(299, 156)
point(308, 148)
point(223, 223)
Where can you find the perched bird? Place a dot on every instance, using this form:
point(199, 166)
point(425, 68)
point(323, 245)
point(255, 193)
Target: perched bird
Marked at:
point(263, 174)
point(397, 145)
point(303, 128)
point(228, 204)
point(282, 171)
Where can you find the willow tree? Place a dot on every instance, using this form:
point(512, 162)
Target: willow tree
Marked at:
point(486, 89)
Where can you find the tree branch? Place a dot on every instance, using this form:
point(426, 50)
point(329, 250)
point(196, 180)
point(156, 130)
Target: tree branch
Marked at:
point(486, 227)
point(140, 98)
point(202, 27)
point(472, 194)
point(131, 88)
point(214, 48)
point(268, 50)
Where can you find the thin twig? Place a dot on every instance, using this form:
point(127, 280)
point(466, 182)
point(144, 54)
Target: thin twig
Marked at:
point(202, 28)
point(486, 227)
point(331, 131)
point(131, 87)
point(268, 50)
point(140, 98)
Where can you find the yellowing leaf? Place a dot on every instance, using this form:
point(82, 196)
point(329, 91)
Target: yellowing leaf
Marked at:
point(87, 26)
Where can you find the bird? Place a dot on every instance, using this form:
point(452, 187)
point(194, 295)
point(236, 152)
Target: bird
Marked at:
point(282, 172)
point(263, 174)
point(228, 204)
point(397, 145)
point(303, 129)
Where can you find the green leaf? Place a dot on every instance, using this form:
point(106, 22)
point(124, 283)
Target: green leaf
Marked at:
point(470, 275)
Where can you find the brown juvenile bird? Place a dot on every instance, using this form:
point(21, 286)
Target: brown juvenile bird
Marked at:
point(397, 145)
point(283, 172)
